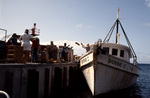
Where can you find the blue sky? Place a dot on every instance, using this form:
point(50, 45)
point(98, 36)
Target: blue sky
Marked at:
point(79, 20)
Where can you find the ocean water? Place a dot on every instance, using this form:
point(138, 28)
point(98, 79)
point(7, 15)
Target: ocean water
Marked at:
point(140, 90)
point(143, 81)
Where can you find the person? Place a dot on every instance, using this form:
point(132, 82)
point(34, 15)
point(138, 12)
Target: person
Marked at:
point(13, 39)
point(35, 45)
point(87, 47)
point(52, 43)
point(99, 47)
point(26, 37)
point(63, 53)
point(52, 52)
point(99, 42)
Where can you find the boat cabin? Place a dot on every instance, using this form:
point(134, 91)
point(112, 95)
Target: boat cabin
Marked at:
point(117, 50)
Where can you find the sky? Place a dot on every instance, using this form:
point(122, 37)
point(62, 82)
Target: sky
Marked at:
point(79, 21)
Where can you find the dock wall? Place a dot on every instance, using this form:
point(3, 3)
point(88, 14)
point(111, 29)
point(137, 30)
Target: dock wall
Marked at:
point(34, 80)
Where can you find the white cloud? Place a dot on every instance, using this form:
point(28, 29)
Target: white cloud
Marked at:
point(147, 3)
point(78, 50)
point(79, 25)
point(147, 24)
point(143, 57)
point(83, 26)
point(89, 26)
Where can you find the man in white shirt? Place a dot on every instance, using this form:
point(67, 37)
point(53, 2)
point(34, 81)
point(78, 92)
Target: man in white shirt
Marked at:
point(26, 37)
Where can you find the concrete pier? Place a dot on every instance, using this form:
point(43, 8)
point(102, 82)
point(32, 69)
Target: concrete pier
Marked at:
point(36, 80)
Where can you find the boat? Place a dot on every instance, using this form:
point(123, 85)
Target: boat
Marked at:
point(110, 66)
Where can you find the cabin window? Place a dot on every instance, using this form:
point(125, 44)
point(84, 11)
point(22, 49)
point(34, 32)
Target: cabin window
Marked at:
point(121, 53)
point(106, 49)
point(114, 51)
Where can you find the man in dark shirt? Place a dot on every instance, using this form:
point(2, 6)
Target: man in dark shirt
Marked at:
point(35, 45)
point(63, 52)
point(13, 39)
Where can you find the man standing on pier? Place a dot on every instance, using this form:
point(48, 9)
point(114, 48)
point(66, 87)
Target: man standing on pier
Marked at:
point(26, 37)
point(35, 45)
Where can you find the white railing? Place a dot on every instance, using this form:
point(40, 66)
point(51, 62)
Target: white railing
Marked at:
point(4, 93)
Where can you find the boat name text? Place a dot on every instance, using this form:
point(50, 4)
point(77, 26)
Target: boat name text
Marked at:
point(117, 63)
point(87, 59)
point(84, 60)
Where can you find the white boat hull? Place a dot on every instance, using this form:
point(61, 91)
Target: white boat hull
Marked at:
point(105, 73)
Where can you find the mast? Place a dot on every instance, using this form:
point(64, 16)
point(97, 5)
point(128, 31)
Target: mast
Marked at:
point(117, 22)
point(107, 38)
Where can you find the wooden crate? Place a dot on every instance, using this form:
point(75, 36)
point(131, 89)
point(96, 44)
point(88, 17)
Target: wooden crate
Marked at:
point(44, 57)
point(52, 52)
point(15, 54)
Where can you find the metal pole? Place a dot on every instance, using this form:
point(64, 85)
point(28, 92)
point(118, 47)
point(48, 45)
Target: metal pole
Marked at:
point(117, 26)
point(117, 31)
point(5, 33)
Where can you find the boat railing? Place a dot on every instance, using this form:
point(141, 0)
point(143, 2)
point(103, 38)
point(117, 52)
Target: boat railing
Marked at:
point(5, 33)
point(4, 93)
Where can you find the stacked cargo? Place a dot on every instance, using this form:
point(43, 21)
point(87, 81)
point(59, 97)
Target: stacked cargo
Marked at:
point(52, 53)
point(15, 54)
point(43, 54)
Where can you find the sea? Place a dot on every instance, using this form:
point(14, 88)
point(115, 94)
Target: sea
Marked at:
point(140, 90)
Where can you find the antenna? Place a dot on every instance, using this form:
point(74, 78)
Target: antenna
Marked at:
point(118, 14)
